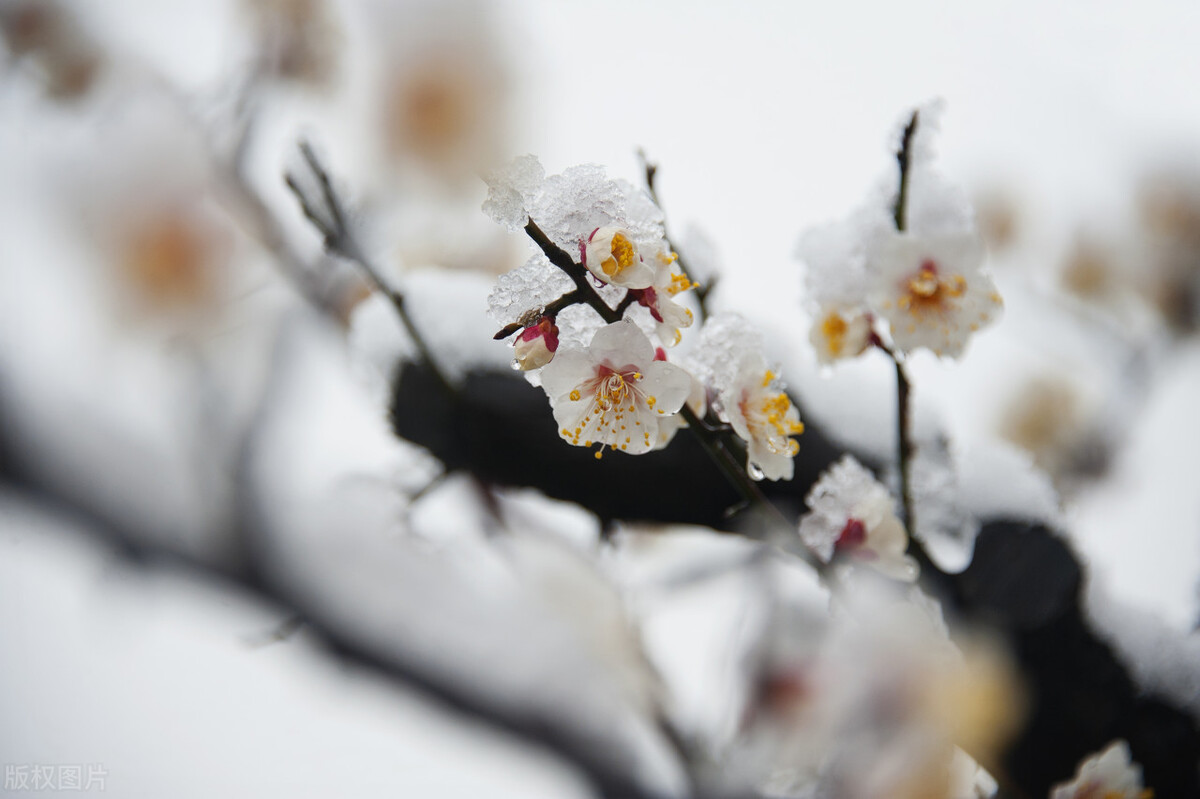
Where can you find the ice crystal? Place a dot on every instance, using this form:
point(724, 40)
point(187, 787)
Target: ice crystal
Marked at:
point(725, 341)
point(531, 285)
point(511, 191)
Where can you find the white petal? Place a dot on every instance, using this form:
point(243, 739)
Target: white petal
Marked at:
point(569, 369)
point(669, 384)
point(621, 344)
point(773, 465)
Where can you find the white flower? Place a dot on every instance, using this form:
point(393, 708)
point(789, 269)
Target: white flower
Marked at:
point(669, 316)
point(764, 417)
point(840, 332)
point(535, 345)
point(612, 256)
point(853, 515)
point(1108, 775)
point(614, 393)
point(931, 291)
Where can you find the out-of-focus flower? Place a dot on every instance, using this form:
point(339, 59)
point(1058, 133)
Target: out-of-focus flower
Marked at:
point(45, 33)
point(840, 333)
point(614, 392)
point(763, 415)
point(931, 290)
point(669, 316)
point(879, 703)
point(852, 514)
point(1108, 775)
point(297, 39)
point(535, 345)
point(172, 259)
point(610, 254)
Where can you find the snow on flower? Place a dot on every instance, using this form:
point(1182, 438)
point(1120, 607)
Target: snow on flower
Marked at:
point(1108, 775)
point(835, 258)
point(763, 415)
point(536, 344)
point(852, 514)
point(932, 292)
point(669, 316)
point(611, 256)
point(614, 392)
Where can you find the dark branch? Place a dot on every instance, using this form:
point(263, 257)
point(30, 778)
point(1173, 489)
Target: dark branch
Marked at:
point(328, 215)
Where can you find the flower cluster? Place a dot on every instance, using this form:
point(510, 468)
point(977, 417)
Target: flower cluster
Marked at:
point(907, 266)
point(609, 384)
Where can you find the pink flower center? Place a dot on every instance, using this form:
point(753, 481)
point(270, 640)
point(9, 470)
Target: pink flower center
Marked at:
point(852, 539)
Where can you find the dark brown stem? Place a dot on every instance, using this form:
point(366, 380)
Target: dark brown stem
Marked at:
point(701, 292)
point(905, 450)
point(560, 258)
point(340, 240)
point(904, 161)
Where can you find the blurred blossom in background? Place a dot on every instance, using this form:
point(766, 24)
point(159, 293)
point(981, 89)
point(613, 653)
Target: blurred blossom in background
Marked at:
point(222, 573)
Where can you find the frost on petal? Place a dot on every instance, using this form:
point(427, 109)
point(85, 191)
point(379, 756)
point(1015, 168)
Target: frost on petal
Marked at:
point(939, 519)
point(726, 340)
point(512, 190)
point(835, 256)
point(852, 513)
point(1110, 774)
point(932, 292)
point(531, 285)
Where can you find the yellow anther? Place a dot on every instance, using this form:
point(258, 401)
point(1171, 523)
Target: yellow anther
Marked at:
point(651, 400)
point(575, 395)
point(622, 251)
point(599, 454)
point(767, 378)
point(833, 328)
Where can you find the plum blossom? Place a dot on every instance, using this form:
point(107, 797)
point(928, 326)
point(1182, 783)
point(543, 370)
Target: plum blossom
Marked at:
point(931, 290)
point(614, 392)
point(669, 316)
point(763, 415)
point(840, 332)
point(611, 255)
point(1108, 775)
point(852, 514)
point(536, 344)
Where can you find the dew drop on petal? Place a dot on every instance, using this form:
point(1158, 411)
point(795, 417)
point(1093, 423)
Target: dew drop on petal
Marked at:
point(516, 365)
point(754, 472)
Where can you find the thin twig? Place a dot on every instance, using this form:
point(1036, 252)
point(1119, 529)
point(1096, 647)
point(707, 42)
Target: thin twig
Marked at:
point(331, 220)
point(905, 451)
point(701, 291)
point(904, 161)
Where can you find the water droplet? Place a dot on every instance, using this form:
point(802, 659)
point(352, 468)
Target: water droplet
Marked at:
point(516, 365)
point(754, 472)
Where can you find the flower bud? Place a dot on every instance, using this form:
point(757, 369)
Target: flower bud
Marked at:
point(536, 344)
